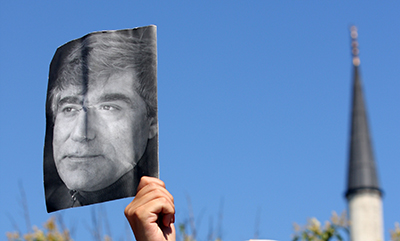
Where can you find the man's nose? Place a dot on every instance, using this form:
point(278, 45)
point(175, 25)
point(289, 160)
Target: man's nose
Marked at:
point(84, 126)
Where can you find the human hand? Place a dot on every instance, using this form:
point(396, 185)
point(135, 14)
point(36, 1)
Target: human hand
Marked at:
point(151, 214)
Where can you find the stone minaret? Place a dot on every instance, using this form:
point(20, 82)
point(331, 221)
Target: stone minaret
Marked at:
point(363, 193)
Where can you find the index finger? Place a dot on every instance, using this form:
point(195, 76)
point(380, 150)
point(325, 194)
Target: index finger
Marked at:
point(145, 180)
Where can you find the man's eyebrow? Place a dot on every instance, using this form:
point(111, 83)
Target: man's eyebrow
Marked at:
point(116, 97)
point(70, 100)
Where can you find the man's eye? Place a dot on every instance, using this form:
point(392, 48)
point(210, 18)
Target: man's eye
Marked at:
point(108, 107)
point(69, 109)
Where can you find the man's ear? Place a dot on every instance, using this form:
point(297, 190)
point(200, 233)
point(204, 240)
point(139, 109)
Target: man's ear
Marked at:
point(153, 129)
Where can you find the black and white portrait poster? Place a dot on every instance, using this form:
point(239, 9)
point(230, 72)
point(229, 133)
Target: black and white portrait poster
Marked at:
point(101, 118)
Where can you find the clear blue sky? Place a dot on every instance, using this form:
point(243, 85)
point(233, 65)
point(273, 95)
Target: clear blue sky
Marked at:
point(254, 104)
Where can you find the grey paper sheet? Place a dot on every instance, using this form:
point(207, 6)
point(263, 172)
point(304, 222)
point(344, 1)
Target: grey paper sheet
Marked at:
point(101, 118)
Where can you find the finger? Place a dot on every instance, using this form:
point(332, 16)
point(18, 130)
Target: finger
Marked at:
point(145, 180)
point(155, 194)
point(155, 208)
point(147, 194)
point(168, 219)
point(153, 189)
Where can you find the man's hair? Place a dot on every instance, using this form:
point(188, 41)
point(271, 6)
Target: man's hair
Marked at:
point(104, 54)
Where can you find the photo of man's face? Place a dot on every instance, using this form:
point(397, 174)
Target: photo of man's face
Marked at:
point(99, 136)
point(102, 129)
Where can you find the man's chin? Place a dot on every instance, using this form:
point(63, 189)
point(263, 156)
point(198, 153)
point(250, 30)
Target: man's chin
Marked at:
point(82, 180)
point(89, 176)
point(92, 181)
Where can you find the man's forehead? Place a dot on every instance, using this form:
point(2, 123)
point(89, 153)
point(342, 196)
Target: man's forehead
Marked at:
point(102, 81)
point(98, 85)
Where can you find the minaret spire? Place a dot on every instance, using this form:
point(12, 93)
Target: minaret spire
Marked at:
point(362, 171)
point(363, 192)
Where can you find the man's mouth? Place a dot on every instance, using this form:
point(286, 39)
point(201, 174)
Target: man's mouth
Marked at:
point(82, 158)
